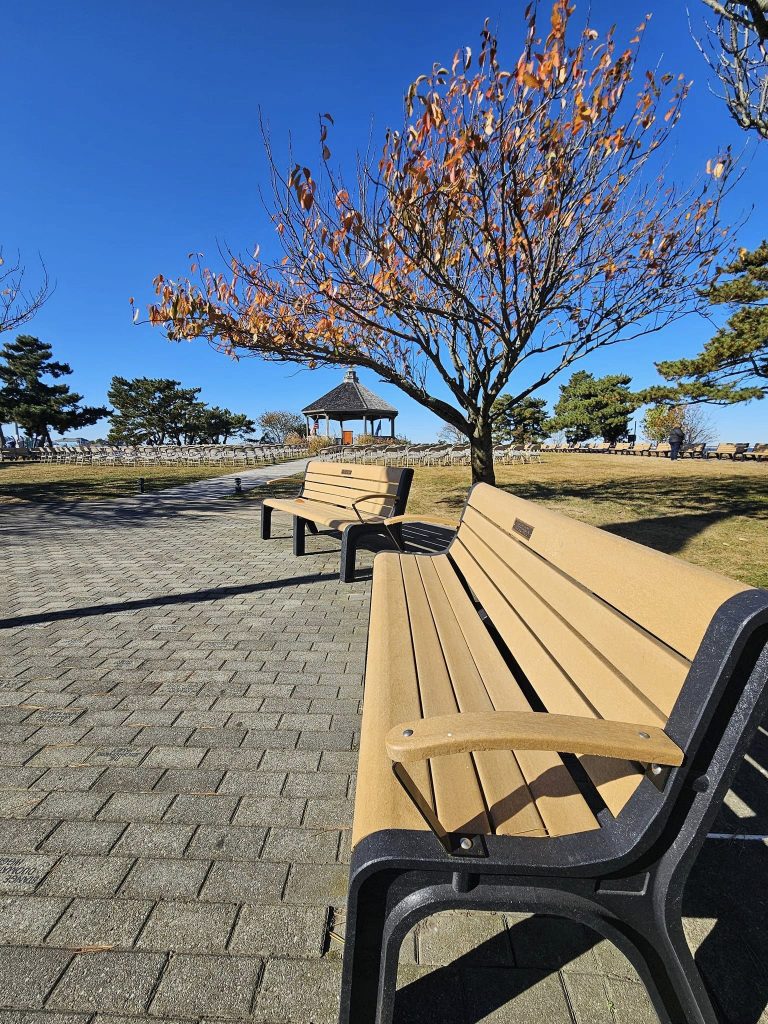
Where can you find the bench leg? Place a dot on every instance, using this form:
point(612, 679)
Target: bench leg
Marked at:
point(662, 958)
point(349, 539)
point(312, 527)
point(366, 914)
point(266, 522)
point(298, 535)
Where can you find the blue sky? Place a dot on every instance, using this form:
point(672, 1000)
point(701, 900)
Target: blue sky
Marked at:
point(130, 138)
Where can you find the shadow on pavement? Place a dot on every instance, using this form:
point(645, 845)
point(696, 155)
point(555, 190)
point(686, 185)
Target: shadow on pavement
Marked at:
point(725, 905)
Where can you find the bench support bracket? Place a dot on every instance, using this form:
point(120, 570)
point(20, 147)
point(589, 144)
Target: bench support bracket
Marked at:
point(457, 844)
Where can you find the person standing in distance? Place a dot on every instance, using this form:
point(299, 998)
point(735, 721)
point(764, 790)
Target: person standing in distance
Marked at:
point(676, 438)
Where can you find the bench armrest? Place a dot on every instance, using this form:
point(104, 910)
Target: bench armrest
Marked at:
point(529, 730)
point(431, 520)
point(367, 497)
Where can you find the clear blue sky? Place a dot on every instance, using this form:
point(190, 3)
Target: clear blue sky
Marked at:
point(130, 138)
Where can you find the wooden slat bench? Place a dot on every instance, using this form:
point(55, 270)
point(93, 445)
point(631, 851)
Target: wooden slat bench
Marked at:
point(758, 452)
point(356, 500)
point(729, 450)
point(552, 718)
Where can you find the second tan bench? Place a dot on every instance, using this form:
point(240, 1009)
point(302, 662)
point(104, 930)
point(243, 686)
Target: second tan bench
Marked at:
point(353, 499)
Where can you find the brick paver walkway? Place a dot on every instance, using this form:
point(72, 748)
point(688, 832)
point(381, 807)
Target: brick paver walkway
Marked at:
point(178, 712)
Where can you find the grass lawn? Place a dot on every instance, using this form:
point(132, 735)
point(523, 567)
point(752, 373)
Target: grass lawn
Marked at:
point(712, 513)
point(20, 482)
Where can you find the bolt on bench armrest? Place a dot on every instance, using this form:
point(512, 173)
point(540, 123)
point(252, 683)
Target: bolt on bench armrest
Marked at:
point(529, 730)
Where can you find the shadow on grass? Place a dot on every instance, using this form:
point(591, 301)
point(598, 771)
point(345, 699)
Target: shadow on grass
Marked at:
point(684, 507)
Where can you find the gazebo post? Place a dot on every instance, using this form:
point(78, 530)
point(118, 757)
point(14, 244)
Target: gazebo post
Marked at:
point(392, 427)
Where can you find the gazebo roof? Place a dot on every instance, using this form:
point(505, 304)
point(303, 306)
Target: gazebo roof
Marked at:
point(350, 400)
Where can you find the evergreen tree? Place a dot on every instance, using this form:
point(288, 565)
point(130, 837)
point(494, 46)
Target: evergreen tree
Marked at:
point(214, 425)
point(592, 406)
point(151, 410)
point(160, 411)
point(522, 423)
point(733, 365)
point(31, 402)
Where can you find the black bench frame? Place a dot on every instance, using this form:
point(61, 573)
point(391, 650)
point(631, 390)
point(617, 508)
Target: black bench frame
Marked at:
point(625, 880)
point(352, 534)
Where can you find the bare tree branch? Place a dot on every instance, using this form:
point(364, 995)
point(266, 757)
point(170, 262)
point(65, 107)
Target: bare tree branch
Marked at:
point(736, 48)
point(18, 304)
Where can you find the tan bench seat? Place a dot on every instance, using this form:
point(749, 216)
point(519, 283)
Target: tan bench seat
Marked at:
point(552, 717)
point(576, 617)
point(355, 500)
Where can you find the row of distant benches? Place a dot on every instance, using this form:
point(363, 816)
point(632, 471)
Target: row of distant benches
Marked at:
point(726, 450)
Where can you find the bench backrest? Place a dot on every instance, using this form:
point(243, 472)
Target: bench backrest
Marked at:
point(731, 448)
point(596, 625)
point(340, 483)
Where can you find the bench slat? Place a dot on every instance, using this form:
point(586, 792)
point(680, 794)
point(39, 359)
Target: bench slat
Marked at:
point(459, 801)
point(332, 516)
point(558, 800)
point(638, 581)
point(580, 625)
point(616, 781)
point(376, 474)
point(510, 804)
point(391, 694)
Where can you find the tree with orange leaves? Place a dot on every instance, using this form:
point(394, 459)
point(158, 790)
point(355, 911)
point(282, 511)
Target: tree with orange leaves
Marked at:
point(517, 222)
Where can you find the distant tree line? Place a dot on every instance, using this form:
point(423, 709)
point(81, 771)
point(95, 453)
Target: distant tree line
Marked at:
point(143, 410)
point(591, 407)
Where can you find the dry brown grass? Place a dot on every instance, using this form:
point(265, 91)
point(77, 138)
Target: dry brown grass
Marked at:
point(712, 513)
point(33, 482)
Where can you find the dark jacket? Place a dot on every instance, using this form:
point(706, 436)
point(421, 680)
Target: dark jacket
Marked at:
point(676, 436)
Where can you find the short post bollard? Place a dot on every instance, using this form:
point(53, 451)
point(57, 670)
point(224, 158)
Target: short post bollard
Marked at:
point(238, 485)
point(141, 485)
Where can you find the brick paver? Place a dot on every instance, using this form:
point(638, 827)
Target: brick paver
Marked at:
point(179, 715)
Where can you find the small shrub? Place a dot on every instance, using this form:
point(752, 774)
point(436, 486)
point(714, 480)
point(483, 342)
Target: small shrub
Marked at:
point(294, 438)
point(317, 443)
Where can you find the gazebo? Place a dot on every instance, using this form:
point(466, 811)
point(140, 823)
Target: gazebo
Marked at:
point(351, 401)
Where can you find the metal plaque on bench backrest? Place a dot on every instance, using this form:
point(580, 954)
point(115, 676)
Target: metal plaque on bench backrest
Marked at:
point(346, 472)
point(524, 529)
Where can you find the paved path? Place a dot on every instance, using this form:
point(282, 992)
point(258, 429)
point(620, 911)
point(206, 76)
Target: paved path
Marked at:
point(179, 708)
point(223, 486)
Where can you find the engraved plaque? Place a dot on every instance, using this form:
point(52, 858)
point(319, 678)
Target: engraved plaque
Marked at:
point(524, 529)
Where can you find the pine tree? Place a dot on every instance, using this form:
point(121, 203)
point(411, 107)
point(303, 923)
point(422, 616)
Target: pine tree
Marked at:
point(31, 402)
point(151, 410)
point(592, 406)
point(733, 365)
point(523, 422)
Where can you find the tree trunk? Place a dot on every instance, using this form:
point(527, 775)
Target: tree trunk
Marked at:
point(481, 454)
